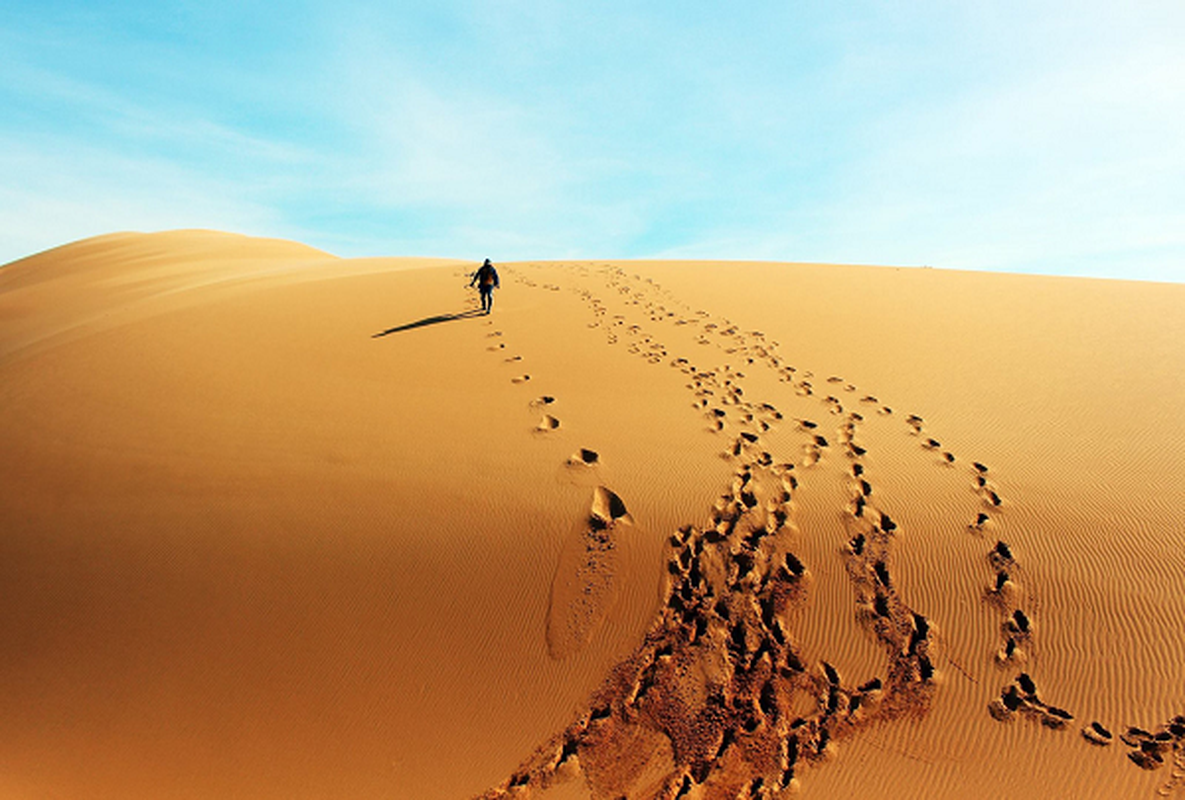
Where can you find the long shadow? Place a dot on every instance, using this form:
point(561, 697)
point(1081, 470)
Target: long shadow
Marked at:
point(420, 323)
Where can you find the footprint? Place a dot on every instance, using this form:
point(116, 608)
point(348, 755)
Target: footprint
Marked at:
point(1019, 624)
point(1096, 734)
point(1150, 748)
point(607, 508)
point(548, 423)
point(520, 379)
point(1021, 696)
point(585, 456)
point(584, 589)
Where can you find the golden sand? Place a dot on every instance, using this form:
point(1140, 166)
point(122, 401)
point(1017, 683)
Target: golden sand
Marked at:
point(277, 524)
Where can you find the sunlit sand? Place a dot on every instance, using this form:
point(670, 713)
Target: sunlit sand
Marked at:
point(279, 524)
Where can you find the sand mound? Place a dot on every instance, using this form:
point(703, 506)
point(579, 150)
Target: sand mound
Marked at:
point(285, 525)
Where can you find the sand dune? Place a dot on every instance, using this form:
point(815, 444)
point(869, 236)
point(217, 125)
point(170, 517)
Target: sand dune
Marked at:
point(278, 524)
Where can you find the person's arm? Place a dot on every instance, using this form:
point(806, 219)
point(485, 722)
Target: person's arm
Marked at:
point(497, 285)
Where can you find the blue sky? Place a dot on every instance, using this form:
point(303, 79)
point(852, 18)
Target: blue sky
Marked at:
point(1020, 136)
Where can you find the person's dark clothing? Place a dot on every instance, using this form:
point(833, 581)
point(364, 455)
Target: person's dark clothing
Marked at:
point(486, 279)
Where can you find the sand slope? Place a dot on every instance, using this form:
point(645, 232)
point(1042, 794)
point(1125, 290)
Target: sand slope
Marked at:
point(283, 525)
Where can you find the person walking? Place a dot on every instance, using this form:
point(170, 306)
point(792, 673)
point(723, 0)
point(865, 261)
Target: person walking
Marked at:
point(486, 279)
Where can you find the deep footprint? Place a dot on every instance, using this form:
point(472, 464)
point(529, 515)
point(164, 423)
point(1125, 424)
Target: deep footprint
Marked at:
point(584, 589)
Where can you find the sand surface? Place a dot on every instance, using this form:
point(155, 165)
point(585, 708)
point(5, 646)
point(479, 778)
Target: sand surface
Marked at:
point(278, 524)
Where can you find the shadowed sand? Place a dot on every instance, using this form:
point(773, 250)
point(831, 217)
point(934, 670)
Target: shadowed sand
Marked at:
point(650, 529)
point(436, 319)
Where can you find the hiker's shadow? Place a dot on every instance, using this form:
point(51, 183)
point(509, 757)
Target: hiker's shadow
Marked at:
point(420, 323)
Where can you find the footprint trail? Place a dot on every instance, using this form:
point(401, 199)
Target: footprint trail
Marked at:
point(727, 696)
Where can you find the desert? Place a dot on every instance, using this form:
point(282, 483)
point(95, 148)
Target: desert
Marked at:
point(282, 524)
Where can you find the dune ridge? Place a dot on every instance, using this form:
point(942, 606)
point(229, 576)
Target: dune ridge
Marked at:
point(819, 549)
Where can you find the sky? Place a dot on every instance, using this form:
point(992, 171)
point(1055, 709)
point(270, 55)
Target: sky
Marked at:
point(1036, 137)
